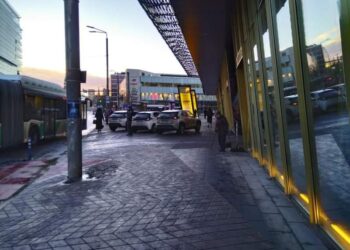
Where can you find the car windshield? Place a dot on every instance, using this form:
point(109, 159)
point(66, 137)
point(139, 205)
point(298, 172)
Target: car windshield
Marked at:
point(119, 115)
point(142, 116)
point(330, 93)
point(168, 115)
point(293, 99)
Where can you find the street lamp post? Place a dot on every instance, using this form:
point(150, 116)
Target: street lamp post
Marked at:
point(96, 30)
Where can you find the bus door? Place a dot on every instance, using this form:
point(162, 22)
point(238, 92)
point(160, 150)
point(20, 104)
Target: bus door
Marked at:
point(49, 117)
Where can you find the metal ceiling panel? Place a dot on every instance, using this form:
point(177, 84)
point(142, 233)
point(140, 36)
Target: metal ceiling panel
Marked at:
point(203, 23)
point(195, 30)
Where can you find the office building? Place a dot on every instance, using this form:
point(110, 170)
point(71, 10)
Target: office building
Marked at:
point(140, 86)
point(10, 40)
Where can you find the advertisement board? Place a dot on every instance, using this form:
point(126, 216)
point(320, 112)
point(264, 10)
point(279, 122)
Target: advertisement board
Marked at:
point(185, 95)
point(194, 100)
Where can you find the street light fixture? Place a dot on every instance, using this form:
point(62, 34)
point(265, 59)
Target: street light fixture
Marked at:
point(96, 30)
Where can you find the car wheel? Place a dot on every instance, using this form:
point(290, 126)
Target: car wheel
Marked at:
point(153, 129)
point(159, 132)
point(112, 128)
point(198, 127)
point(181, 129)
point(34, 135)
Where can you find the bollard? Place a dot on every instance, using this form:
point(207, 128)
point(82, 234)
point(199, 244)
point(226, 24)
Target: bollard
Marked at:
point(29, 148)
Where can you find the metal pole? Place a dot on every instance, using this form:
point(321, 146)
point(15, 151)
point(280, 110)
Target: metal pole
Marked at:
point(73, 80)
point(107, 69)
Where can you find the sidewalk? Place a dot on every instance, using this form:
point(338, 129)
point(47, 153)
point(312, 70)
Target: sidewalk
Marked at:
point(156, 192)
point(16, 172)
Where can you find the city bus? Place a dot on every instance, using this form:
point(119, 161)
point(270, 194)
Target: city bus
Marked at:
point(30, 108)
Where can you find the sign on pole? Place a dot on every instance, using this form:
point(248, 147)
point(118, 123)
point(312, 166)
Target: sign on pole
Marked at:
point(194, 101)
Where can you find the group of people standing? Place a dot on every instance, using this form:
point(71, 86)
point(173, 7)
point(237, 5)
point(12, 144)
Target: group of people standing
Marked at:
point(100, 117)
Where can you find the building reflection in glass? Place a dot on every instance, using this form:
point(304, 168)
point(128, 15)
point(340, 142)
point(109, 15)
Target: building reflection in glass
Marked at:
point(328, 94)
point(295, 144)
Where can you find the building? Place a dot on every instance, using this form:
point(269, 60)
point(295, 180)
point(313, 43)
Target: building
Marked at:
point(91, 94)
point(10, 40)
point(146, 87)
point(116, 79)
point(248, 53)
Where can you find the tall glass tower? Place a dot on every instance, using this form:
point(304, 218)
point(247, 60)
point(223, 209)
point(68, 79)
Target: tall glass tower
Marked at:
point(10, 39)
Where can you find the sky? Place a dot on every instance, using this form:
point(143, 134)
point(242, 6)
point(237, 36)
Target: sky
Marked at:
point(133, 40)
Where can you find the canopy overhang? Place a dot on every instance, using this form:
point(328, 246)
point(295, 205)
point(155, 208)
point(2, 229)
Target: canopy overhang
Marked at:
point(203, 26)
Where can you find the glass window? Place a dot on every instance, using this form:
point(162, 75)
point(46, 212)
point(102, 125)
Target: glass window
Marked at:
point(252, 107)
point(119, 115)
point(271, 91)
point(260, 102)
point(142, 116)
point(291, 109)
point(331, 117)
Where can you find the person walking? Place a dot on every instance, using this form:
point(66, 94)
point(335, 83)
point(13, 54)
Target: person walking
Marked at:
point(99, 119)
point(209, 117)
point(129, 115)
point(221, 127)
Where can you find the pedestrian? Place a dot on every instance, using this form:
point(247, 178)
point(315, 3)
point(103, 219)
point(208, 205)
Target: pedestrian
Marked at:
point(209, 117)
point(205, 112)
point(109, 112)
point(221, 127)
point(129, 115)
point(99, 118)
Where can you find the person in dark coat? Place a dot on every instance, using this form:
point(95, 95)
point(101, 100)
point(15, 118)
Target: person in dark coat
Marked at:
point(209, 116)
point(99, 119)
point(221, 127)
point(129, 115)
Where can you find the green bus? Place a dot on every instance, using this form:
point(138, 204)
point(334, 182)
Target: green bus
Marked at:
point(30, 108)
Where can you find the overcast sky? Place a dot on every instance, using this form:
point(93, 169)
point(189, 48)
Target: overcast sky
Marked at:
point(133, 40)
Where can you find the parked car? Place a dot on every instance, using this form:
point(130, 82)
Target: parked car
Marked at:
point(145, 120)
point(327, 98)
point(178, 120)
point(291, 104)
point(289, 91)
point(117, 120)
point(340, 88)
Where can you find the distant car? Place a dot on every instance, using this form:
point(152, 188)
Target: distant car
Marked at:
point(291, 104)
point(327, 98)
point(178, 120)
point(289, 91)
point(117, 120)
point(145, 120)
point(340, 88)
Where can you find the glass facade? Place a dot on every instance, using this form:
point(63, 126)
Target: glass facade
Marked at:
point(297, 93)
point(325, 75)
point(163, 88)
point(10, 40)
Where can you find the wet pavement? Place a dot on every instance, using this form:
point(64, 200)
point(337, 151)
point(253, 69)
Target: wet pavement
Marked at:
point(152, 191)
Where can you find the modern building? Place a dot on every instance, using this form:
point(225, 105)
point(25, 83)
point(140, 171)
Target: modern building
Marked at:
point(248, 53)
point(140, 86)
point(10, 40)
point(116, 79)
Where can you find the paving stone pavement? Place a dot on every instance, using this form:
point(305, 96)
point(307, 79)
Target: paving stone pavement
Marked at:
point(171, 193)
